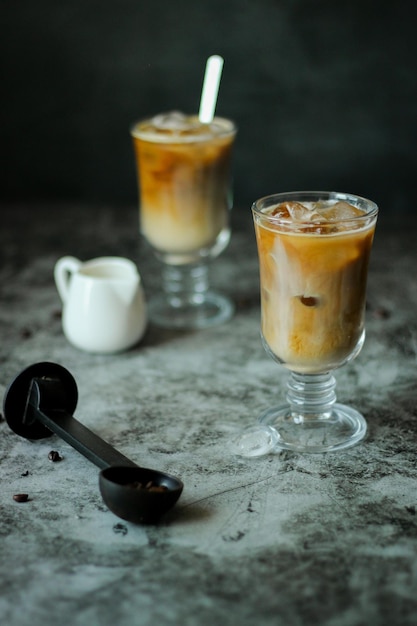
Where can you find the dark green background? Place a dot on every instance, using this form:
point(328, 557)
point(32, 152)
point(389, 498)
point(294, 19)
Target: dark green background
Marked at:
point(323, 92)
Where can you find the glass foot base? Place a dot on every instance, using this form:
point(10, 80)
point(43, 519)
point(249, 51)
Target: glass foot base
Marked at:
point(344, 428)
point(210, 310)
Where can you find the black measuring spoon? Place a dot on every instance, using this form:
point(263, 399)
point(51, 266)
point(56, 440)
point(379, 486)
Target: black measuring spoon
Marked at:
point(40, 401)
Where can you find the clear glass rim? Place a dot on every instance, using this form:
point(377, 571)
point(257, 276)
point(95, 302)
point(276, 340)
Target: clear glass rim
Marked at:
point(370, 208)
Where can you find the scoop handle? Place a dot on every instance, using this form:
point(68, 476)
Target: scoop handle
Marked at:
point(40, 406)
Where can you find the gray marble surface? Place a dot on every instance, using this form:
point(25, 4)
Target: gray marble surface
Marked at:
point(286, 539)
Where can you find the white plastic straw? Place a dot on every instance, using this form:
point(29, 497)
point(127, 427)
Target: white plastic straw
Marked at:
point(210, 89)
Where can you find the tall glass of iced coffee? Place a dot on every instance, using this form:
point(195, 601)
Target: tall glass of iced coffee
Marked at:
point(313, 250)
point(184, 176)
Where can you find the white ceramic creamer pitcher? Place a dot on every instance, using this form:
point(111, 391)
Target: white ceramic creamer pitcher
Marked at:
point(104, 308)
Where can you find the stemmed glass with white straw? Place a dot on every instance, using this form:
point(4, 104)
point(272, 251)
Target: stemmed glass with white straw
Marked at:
point(184, 175)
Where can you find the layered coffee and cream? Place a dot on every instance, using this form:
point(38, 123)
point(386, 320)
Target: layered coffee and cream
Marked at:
point(313, 268)
point(184, 179)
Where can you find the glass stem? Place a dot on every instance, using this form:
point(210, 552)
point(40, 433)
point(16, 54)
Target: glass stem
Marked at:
point(185, 284)
point(311, 396)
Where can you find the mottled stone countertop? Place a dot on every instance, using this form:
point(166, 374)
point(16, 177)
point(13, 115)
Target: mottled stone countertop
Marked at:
point(286, 539)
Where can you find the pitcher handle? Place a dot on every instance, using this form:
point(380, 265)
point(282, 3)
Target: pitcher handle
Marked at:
point(63, 270)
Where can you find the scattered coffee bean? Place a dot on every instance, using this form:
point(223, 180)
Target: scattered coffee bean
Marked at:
point(54, 456)
point(20, 497)
point(381, 313)
point(120, 529)
point(25, 473)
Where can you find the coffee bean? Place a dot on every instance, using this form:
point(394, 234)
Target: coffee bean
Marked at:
point(54, 456)
point(309, 300)
point(381, 313)
point(120, 529)
point(26, 473)
point(158, 488)
point(150, 486)
point(20, 497)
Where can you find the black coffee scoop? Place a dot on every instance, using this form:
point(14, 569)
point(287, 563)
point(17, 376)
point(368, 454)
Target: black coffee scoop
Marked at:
point(40, 402)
